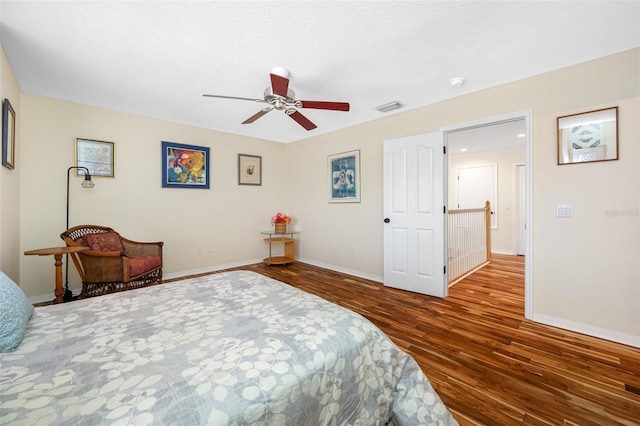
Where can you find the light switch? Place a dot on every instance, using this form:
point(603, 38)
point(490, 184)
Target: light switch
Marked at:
point(564, 210)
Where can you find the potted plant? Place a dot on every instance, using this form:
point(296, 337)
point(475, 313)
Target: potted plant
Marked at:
point(280, 220)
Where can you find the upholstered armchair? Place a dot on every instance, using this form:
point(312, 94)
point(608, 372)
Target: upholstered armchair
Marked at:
point(113, 263)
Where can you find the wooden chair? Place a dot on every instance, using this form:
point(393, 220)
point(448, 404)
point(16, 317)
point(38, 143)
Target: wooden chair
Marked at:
point(113, 263)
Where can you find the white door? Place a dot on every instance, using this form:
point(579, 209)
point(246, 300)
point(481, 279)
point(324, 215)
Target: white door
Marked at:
point(414, 241)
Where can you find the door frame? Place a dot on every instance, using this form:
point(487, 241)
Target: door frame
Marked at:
point(515, 196)
point(527, 115)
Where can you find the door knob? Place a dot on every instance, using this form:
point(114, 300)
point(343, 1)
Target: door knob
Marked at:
point(387, 220)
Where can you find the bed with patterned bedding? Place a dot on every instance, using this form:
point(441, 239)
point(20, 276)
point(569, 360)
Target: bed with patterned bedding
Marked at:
point(232, 348)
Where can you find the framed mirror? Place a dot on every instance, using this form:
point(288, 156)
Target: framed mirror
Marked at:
point(589, 136)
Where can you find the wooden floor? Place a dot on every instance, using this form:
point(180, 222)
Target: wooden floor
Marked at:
point(490, 365)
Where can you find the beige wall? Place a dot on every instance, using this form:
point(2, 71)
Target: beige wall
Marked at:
point(10, 182)
point(585, 270)
point(504, 159)
point(224, 221)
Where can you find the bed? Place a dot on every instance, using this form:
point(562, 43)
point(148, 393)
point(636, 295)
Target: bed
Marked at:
point(231, 348)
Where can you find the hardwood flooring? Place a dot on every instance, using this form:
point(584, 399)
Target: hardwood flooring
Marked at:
point(488, 363)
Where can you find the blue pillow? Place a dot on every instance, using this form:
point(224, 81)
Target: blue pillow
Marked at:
point(15, 311)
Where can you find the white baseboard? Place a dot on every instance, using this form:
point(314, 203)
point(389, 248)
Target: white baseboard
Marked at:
point(208, 269)
point(49, 297)
point(589, 330)
point(341, 269)
point(625, 339)
point(41, 298)
point(507, 252)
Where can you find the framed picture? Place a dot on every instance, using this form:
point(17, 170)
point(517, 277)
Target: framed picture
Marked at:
point(8, 135)
point(185, 166)
point(344, 177)
point(249, 169)
point(588, 136)
point(97, 156)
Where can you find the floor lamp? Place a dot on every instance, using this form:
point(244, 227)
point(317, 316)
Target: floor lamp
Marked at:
point(86, 183)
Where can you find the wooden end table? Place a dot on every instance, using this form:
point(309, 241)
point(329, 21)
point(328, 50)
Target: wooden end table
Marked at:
point(287, 239)
point(57, 253)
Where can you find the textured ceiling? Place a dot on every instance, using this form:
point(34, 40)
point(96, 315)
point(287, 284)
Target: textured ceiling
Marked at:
point(157, 58)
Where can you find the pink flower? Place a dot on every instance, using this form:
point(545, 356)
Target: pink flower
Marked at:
point(280, 218)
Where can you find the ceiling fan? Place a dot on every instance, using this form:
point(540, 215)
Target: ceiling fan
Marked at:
point(281, 98)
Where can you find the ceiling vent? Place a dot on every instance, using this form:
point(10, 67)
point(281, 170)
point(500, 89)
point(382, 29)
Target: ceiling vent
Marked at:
point(389, 106)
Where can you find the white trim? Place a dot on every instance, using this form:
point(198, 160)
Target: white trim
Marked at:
point(527, 115)
point(601, 333)
point(515, 192)
point(506, 252)
point(208, 269)
point(347, 271)
point(49, 297)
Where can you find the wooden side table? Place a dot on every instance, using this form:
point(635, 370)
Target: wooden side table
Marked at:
point(289, 243)
point(57, 253)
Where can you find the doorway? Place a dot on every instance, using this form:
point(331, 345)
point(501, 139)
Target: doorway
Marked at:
point(451, 137)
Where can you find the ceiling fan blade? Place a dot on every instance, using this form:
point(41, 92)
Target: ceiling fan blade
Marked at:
point(257, 115)
point(234, 97)
point(279, 85)
point(302, 120)
point(334, 106)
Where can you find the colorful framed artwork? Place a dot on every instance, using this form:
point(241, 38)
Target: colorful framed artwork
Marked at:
point(344, 177)
point(97, 156)
point(185, 166)
point(8, 135)
point(249, 169)
point(588, 136)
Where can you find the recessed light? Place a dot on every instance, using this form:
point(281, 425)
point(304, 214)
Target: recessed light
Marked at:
point(463, 149)
point(456, 82)
point(520, 135)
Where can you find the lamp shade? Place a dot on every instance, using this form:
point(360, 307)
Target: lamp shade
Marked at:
point(87, 182)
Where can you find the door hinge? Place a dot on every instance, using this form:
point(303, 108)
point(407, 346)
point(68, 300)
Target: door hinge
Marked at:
point(444, 149)
point(444, 209)
point(445, 269)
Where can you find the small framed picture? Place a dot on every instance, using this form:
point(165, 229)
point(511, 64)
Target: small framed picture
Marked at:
point(185, 166)
point(8, 135)
point(249, 169)
point(97, 156)
point(344, 177)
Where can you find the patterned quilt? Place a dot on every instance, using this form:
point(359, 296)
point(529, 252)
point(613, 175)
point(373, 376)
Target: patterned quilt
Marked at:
point(233, 348)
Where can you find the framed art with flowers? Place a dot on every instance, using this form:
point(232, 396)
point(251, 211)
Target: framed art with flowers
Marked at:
point(344, 177)
point(249, 169)
point(185, 166)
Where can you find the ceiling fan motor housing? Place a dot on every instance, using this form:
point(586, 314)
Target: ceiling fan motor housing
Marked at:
point(280, 102)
